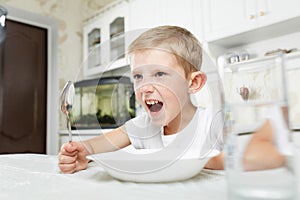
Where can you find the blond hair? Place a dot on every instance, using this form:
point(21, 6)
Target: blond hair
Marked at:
point(175, 40)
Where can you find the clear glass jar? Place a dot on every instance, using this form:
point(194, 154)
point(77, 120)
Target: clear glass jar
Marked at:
point(259, 161)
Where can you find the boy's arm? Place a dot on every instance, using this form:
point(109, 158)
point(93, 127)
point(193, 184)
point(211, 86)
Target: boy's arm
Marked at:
point(261, 152)
point(111, 141)
point(72, 156)
point(216, 163)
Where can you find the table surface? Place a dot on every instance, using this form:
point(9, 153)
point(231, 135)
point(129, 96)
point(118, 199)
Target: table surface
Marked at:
point(36, 176)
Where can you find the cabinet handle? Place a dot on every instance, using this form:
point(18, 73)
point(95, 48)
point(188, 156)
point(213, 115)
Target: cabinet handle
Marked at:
point(251, 17)
point(262, 13)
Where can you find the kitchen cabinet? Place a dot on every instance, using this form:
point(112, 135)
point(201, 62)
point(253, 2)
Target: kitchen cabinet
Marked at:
point(146, 14)
point(184, 14)
point(104, 40)
point(231, 17)
point(273, 11)
point(224, 18)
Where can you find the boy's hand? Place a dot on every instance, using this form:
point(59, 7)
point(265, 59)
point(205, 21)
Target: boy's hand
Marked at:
point(72, 157)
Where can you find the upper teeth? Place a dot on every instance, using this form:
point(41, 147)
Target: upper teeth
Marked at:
point(151, 102)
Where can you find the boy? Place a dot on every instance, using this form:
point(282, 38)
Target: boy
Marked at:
point(165, 65)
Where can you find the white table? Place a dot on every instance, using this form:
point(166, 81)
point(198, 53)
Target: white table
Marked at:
point(35, 176)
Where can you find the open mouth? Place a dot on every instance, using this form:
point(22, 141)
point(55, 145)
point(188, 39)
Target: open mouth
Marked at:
point(154, 105)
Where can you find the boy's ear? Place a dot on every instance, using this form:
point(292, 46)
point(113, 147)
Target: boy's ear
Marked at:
point(197, 81)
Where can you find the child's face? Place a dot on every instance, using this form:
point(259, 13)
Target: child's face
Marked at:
point(160, 85)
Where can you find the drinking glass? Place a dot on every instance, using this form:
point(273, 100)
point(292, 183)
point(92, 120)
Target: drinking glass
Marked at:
point(292, 64)
point(258, 147)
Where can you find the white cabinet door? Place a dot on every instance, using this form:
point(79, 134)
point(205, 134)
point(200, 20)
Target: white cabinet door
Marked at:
point(109, 49)
point(272, 11)
point(225, 18)
point(178, 13)
point(231, 17)
point(117, 25)
point(185, 14)
point(92, 38)
point(144, 14)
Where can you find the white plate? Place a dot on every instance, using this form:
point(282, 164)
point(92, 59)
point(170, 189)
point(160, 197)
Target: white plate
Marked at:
point(151, 165)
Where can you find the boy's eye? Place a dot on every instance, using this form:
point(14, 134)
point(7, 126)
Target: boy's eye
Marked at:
point(160, 74)
point(137, 77)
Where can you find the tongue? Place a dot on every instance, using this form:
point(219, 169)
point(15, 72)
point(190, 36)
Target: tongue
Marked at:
point(156, 107)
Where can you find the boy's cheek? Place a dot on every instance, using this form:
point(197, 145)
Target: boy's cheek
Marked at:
point(138, 97)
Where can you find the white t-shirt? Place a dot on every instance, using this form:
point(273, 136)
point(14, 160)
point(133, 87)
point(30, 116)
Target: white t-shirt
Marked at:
point(202, 135)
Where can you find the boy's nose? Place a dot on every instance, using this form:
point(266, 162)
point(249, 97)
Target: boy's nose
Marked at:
point(146, 88)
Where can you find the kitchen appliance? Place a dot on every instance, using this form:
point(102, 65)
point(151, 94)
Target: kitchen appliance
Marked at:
point(103, 103)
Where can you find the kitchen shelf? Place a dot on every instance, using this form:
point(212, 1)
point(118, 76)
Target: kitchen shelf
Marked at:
point(252, 64)
point(291, 60)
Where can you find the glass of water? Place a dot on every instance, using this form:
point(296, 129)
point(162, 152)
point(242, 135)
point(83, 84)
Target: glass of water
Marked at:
point(292, 64)
point(258, 147)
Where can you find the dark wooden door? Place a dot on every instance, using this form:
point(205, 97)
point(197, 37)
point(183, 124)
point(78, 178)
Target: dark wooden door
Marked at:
point(23, 89)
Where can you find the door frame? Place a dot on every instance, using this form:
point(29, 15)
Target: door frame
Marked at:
point(52, 115)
